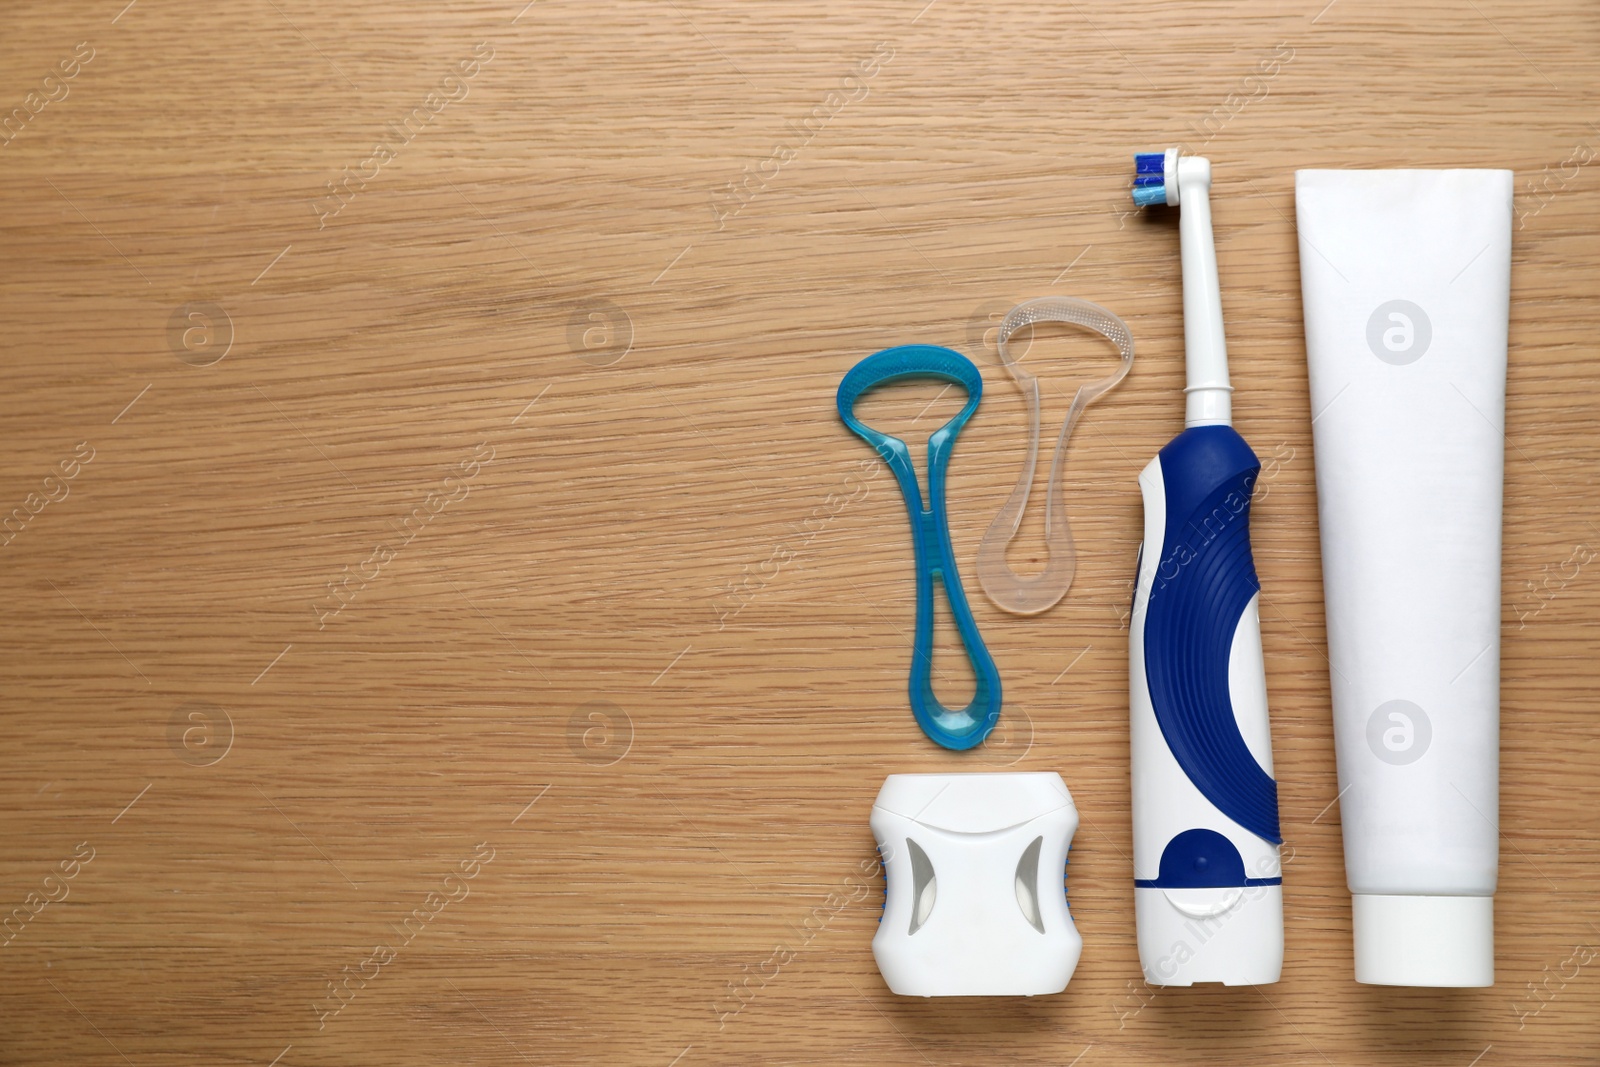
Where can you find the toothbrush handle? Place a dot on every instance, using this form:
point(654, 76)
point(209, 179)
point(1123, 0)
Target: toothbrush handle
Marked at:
point(1198, 607)
point(1207, 874)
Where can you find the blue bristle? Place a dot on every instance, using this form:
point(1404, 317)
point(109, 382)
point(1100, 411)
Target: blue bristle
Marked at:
point(1147, 195)
point(1149, 183)
point(1149, 162)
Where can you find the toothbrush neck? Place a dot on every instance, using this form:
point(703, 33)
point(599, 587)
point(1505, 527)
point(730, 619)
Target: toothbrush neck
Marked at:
point(1209, 396)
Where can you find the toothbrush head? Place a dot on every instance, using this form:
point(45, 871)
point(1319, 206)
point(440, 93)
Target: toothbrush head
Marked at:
point(1155, 178)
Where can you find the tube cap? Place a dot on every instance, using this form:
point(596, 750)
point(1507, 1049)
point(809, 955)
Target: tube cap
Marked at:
point(1424, 941)
point(1232, 935)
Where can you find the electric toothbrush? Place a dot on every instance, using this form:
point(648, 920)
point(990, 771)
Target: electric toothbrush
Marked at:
point(1208, 885)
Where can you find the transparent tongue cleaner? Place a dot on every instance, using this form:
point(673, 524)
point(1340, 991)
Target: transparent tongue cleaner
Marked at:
point(1009, 590)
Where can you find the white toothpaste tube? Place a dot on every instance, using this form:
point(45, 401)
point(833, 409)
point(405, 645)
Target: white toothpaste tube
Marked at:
point(1405, 276)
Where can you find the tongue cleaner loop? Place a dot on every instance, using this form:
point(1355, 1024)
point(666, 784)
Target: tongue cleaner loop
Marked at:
point(1009, 590)
point(930, 536)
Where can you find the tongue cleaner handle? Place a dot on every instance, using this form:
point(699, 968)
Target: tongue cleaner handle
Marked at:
point(930, 535)
point(1008, 589)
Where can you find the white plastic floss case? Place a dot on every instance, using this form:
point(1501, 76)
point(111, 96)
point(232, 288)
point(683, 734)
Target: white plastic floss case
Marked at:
point(975, 901)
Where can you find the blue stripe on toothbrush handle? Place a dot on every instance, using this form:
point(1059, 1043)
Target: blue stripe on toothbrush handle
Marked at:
point(1248, 883)
point(1203, 583)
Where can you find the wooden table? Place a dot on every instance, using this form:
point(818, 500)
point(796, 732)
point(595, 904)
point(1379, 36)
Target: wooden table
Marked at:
point(447, 622)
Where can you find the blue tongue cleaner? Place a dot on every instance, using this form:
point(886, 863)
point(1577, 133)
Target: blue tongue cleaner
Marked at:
point(930, 536)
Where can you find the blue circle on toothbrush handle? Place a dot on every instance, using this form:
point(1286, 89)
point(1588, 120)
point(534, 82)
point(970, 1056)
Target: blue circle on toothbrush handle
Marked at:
point(930, 536)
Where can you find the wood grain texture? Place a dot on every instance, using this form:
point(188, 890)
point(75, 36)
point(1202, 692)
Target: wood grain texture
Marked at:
point(615, 600)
